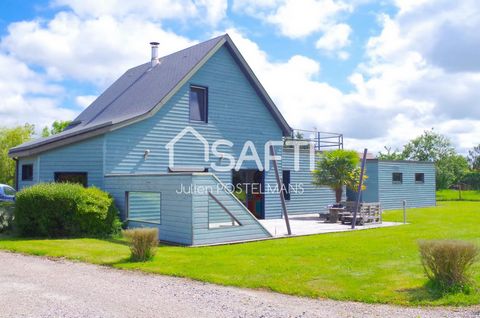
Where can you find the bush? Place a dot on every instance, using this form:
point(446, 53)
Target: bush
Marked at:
point(6, 216)
point(142, 243)
point(447, 262)
point(64, 209)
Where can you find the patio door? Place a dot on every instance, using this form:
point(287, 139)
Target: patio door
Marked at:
point(249, 189)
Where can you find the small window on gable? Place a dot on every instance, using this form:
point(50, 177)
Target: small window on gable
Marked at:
point(72, 177)
point(419, 178)
point(286, 184)
point(27, 172)
point(397, 177)
point(198, 104)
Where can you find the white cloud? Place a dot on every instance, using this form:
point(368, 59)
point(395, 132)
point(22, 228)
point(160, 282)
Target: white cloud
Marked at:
point(26, 96)
point(209, 11)
point(423, 65)
point(335, 38)
point(84, 101)
point(401, 89)
point(304, 102)
point(295, 18)
point(95, 50)
point(255, 7)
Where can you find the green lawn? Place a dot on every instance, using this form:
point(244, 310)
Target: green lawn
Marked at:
point(377, 265)
point(453, 195)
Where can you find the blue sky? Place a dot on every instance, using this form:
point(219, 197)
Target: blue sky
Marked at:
point(381, 72)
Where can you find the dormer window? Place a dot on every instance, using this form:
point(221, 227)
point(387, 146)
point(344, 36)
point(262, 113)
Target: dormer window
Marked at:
point(198, 104)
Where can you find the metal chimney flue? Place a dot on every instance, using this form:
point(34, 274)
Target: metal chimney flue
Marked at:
point(155, 58)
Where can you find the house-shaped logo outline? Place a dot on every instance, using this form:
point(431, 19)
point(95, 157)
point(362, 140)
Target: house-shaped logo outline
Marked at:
point(189, 129)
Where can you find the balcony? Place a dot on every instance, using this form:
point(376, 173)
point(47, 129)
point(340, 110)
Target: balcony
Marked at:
point(321, 140)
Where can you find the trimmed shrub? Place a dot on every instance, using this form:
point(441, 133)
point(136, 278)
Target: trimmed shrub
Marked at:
point(447, 262)
point(6, 216)
point(63, 210)
point(142, 242)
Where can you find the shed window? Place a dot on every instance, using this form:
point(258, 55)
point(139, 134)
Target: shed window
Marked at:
point(144, 207)
point(72, 177)
point(286, 184)
point(419, 178)
point(397, 177)
point(27, 172)
point(198, 103)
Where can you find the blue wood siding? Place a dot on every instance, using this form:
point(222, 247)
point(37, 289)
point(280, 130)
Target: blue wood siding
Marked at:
point(176, 208)
point(25, 161)
point(185, 214)
point(380, 187)
point(417, 195)
point(85, 156)
point(312, 199)
point(250, 228)
point(235, 113)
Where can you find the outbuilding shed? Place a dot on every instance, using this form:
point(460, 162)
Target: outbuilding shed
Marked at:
point(391, 182)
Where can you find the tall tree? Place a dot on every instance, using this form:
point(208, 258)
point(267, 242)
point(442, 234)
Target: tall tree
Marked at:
point(338, 168)
point(57, 127)
point(450, 170)
point(474, 158)
point(430, 146)
point(11, 137)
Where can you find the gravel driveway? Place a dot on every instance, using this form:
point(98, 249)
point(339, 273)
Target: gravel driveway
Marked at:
point(38, 287)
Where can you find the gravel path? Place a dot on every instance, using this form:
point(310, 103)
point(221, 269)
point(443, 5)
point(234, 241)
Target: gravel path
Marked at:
point(39, 287)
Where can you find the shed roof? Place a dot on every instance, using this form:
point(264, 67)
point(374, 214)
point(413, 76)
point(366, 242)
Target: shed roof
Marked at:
point(141, 91)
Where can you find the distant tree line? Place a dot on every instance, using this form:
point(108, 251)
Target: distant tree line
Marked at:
point(451, 168)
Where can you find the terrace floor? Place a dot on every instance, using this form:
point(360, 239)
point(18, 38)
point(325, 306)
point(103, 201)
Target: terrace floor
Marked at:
point(307, 224)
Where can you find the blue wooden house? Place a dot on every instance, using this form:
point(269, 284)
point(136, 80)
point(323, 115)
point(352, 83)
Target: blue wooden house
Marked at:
point(392, 182)
point(152, 138)
point(121, 143)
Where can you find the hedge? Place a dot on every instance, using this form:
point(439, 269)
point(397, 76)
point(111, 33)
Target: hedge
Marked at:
point(65, 210)
point(472, 180)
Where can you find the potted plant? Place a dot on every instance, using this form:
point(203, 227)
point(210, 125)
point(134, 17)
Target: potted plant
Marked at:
point(337, 169)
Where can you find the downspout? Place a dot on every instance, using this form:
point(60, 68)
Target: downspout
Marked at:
point(16, 173)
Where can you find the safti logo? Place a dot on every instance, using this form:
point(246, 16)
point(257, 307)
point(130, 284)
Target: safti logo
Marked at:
point(249, 152)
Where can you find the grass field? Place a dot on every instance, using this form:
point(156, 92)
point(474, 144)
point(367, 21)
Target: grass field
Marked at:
point(378, 265)
point(453, 195)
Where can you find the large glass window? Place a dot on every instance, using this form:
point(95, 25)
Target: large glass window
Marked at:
point(27, 172)
point(144, 207)
point(198, 103)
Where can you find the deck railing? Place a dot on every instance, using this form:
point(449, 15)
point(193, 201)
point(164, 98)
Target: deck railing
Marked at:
point(321, 140)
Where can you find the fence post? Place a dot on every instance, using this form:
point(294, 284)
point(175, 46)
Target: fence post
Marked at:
point(359, 191)
point(404, 211)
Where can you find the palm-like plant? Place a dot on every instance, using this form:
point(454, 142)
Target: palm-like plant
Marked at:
point(336, 169)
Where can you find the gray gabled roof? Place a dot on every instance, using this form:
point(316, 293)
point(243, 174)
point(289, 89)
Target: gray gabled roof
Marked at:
point(140, 92)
